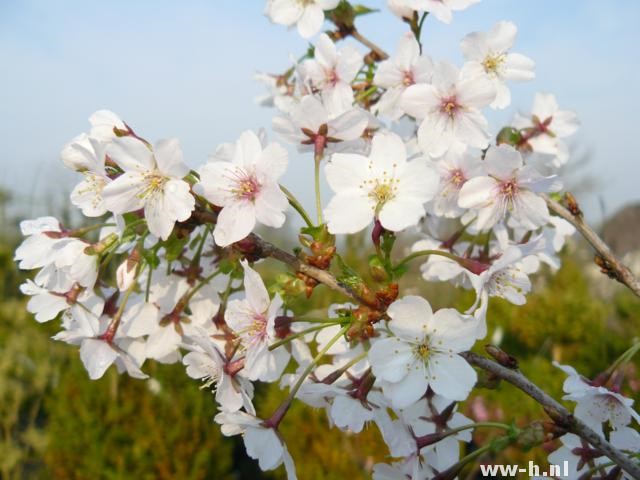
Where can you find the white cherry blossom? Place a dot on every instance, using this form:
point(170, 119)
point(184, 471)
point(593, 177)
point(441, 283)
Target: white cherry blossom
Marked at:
point(207, 362)
point(311, 126)
point(330, 72)
point(488, 55)
point(546, 125)
point(455, 168)
point(383, 185)
point(307, 15)
point(244, 182)
point(253, 320)
point(405, 68)
point(509, 187)
point(423, 352)
point(441, 9)
point(262, 443)
point(152, 180)
point(505, 278)
point(449, 109)
point(596, 404)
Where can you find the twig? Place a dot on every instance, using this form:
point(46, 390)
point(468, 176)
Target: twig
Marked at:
point(267, 249)
point(555, 410)
point(381, 54)
point(612, 265)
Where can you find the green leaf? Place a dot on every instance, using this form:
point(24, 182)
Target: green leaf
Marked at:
point(509, 135)
point(363, 10)
point(174, 246)
point(151, 257)
point(348, 277)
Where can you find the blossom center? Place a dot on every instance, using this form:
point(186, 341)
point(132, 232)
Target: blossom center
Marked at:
point(408, 79)
point(384, 190)
point(509, 189)
point(422, 351)
point(258, 328)
point(450, 106)
point(457, 178)
point(332, 77)
point(245, 185)
point(492, 63)
point(154, 183)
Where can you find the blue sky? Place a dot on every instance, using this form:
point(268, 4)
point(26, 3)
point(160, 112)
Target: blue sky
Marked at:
point(185, 69)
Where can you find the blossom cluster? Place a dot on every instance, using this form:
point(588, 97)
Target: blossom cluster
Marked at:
point(169, 271)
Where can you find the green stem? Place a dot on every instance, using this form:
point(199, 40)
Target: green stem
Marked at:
point(624, 358)
point(452, 471)
point(317, 161)
point(204, 281)
point(284, 341)
point(293, 201)
point(280, 412)
point(78, 232)
point(503, 426)
point(424, 253)
point(196, 258)
point(365, 93)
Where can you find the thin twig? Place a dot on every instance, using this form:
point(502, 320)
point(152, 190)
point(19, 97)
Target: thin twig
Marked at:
point(268, 249)
point(613, 265)
point(559, 414)
point(381, 54)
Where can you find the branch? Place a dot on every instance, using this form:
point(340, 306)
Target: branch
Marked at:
point(555, 410)
point(611, 265)
point(381, 54)
point(267, 249)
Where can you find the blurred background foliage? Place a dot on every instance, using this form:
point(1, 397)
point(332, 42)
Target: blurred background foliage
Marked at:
point(56, 423)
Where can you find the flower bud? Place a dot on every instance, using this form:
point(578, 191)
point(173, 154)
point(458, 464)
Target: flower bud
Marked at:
point(377, 270)
point(125, 275)
point(102, 245)
point(502, 357)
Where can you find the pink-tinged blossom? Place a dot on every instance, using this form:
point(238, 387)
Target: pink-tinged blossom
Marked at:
point(99, 349)
point(253, 321)
point(596, 404)
point(487, 54)
point(163, 319)
point(546, 125)
point(312, 127)
point(87, 156)
point(455, 168)
point(307, 15)
point(383, 185)
point(509, 187)
point(449, 109)
point(331, 72)
point(423, 352)
point(431, 416)
point(152, 180)
point(404, 69)
point(505, 278)
point(206, 362)
point(243, 180)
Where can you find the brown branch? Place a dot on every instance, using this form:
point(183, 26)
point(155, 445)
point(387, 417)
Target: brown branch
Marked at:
point(267, 249)
point(610, 264)
point(380, 53)
point(559, 414)
point(554, 409)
